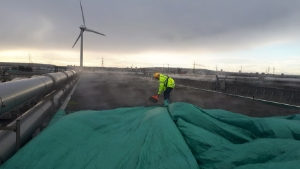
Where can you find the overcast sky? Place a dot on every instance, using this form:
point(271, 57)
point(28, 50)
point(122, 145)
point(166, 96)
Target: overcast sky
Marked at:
point(228, 34)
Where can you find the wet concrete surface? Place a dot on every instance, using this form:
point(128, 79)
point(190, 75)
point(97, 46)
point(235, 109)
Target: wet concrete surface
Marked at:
point(108, 90)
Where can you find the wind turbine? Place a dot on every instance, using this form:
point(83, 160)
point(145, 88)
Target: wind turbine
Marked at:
point(82, 29)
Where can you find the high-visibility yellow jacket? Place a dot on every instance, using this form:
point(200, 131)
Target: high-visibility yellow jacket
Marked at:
point(164, 82)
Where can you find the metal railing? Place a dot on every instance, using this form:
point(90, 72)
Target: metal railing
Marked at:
point(22, 129)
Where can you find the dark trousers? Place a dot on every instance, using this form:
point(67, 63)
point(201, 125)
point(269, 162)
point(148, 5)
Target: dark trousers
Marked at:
point(167, 93)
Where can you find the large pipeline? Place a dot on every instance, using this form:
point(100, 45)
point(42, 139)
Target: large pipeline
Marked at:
point(16, 93)
point(54, 87)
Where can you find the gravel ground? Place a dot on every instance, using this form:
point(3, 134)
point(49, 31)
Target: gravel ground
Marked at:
point(107, 90)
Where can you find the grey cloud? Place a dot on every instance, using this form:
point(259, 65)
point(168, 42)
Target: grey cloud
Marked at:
point(135, 25)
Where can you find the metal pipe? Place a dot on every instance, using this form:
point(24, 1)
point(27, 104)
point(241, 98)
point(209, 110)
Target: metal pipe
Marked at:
point(69, 74)
point(30, 121)
point(59, 78)
point(15, 93)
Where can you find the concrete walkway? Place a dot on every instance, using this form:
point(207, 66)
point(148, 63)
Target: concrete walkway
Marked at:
point(107, 90)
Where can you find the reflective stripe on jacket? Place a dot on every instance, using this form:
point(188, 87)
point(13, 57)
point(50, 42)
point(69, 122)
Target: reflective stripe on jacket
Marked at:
point(164, 82)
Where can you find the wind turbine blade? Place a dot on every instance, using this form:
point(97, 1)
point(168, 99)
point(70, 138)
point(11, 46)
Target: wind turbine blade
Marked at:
point(82, 14)
point(90, 30)
point(77, 39)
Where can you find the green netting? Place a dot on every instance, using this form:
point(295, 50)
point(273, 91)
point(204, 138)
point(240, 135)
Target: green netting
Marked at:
point(180, 136)
point(224, 140)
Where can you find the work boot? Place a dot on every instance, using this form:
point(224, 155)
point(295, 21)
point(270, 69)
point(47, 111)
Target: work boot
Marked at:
point(166, 102)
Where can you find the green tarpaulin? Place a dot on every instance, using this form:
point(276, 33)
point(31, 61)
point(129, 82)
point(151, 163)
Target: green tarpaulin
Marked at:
point(180, 136)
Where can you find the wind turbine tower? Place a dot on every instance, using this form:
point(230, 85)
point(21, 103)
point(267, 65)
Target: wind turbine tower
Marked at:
point(82, 29)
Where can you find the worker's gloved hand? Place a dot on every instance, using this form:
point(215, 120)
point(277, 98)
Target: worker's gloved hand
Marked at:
point(155, 97)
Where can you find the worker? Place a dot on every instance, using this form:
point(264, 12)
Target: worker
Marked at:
point(166, 85)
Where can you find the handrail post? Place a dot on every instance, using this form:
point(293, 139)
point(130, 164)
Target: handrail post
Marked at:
point(17, 129)
point(18, 134)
